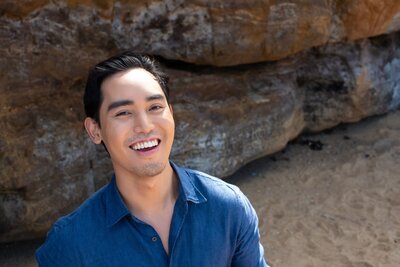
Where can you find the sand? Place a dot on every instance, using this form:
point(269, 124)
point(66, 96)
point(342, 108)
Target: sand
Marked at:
point(329, 199)
point(339, 206)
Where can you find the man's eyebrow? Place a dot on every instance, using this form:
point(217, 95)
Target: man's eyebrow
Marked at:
point(119, 103)
point(155, 97)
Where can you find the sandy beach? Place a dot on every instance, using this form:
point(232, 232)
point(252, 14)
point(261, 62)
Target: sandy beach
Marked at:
point(337, 206)
point(329, 199)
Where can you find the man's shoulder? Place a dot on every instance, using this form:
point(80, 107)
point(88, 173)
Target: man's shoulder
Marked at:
point(225, 198)
point(85, 216)
point(213, 187)
point(73, 231)
point(209, 180)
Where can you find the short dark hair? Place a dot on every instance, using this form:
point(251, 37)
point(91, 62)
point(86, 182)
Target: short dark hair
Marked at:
point(93, 97)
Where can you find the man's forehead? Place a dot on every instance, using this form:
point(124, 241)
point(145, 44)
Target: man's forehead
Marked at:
point(133, 75)
point(129, 81)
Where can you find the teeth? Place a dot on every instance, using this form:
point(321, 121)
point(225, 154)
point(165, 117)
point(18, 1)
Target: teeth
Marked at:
point(146, 144)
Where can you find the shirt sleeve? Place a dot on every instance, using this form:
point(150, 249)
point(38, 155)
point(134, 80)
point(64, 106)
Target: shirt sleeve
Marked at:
point(55, 252)
point(248, 252)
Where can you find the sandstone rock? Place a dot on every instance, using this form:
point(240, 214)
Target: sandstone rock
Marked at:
point(225, 33)
point(225, 116)
point(221, 33)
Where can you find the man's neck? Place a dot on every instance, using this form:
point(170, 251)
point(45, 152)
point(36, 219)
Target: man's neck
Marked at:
point(151, 199)
point(148, 195)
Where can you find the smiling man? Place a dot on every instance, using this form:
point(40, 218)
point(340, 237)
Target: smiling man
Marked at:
point(152, 212)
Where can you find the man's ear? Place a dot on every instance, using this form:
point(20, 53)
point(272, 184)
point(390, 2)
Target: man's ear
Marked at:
point(170, 108)
point(93, 130)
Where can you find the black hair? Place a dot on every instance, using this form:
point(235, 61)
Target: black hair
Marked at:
point(93, 97)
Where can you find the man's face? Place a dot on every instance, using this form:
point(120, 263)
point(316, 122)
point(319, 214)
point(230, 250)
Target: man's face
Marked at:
point(137, 125)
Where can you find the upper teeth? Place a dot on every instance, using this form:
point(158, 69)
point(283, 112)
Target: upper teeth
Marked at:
point(146, 144)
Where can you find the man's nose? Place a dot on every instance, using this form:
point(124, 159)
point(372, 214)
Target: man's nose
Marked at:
point(143, 123)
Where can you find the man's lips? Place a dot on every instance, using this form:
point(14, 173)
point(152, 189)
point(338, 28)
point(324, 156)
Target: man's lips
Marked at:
point(145, 145)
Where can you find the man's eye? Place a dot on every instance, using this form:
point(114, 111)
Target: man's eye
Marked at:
point(156, 107)
point(122, 113)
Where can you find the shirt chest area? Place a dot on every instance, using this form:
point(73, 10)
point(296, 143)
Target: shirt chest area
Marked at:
point(193, 241)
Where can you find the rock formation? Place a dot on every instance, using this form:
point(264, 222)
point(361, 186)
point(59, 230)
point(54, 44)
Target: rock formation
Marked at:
point(246, 78)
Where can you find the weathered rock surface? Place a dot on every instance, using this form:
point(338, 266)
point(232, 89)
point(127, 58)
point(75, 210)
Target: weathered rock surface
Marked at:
point(225, 116)
point(218, 32)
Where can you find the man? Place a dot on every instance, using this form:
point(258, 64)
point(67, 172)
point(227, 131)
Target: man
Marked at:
point(153, 212)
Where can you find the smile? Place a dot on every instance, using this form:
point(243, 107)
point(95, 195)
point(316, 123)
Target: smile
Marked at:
point(146, 145)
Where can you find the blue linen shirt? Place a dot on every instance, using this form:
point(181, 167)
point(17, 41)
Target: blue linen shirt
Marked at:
point(213, 224)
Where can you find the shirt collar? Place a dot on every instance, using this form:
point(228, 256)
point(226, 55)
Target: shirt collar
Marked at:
point(187, 188)
point(116, 209)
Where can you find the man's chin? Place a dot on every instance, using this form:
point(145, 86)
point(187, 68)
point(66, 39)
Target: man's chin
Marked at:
point(151, 169)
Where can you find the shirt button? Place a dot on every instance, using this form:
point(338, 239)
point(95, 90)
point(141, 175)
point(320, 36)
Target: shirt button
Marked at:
point(154, 239)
